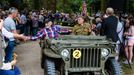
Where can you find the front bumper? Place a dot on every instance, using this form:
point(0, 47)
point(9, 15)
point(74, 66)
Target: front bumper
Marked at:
point(84, 69)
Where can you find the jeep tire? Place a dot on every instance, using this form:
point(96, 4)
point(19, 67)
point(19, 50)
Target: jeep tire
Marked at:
point(42, 60)
point(49, 68)
point(112, 67)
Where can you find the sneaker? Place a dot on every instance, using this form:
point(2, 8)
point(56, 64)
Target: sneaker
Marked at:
point(131, 63)
point(126, 62)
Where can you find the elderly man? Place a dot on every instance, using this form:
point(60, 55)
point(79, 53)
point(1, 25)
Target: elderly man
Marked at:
point(10, 26)
point(109, 25)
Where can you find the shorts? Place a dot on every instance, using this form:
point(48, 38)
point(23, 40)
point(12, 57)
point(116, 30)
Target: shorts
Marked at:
point(130, 42)
point(126, 42)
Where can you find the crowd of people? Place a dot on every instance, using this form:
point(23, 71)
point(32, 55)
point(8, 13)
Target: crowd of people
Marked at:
point(32, 25)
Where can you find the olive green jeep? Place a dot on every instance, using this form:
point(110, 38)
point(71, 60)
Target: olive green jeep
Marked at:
point(79, 55)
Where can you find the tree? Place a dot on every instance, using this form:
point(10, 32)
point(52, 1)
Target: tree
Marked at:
point(103, 5)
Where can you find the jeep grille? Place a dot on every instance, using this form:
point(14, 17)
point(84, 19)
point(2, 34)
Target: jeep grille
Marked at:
point(90, 57)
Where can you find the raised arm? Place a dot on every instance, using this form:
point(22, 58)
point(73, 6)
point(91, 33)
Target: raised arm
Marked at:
point(40, 34)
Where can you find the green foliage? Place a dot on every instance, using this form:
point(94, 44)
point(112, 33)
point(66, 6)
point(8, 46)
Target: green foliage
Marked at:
point(76, 5)
point(131, 6)
point(69, 5)
point(61, 5)
point(30, 4)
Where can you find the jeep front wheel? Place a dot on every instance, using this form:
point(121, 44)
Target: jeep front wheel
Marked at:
point(42, 60)
point(112, 67)
point(49, 67)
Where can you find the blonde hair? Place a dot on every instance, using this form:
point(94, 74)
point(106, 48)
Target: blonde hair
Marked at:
point(110, 11)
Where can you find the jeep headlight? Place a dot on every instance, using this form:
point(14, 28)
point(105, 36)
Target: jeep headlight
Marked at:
point(104, 52)
point(65, 53)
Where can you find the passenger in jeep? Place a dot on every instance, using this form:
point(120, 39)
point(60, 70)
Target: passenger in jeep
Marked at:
point(50, 31)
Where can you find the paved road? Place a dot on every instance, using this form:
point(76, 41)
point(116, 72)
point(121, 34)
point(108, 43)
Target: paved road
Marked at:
point(29, 58)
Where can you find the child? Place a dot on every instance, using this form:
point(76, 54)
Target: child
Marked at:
point(130, 40)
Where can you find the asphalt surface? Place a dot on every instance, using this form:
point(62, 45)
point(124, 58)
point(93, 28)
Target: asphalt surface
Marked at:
point(29, 58)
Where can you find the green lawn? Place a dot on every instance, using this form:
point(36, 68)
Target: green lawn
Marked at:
point(126, 69)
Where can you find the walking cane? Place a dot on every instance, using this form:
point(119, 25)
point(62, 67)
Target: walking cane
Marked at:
point(123, 46)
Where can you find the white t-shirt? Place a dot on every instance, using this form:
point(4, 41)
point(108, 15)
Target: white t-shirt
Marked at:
point(7, 34)
point(120, 30)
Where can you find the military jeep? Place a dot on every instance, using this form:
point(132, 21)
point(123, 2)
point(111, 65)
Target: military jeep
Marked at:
point(79, 55)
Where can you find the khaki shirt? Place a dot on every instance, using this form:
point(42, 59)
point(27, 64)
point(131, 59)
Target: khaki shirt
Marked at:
point(82, 30)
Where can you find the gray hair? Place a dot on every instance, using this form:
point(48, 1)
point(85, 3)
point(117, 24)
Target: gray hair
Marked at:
point(12, 10)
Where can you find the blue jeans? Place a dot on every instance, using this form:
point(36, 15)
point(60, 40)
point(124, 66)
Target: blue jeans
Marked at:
point(9, 51)
point(26, 30)
point(35, 29)
point(21, 26)
point(15, 71)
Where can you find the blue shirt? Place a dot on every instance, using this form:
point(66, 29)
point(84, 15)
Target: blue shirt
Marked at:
point(9, 25)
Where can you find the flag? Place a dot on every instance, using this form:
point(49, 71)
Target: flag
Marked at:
point(84, 8)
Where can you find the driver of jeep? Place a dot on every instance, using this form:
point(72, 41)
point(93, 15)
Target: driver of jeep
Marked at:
point(81, 28)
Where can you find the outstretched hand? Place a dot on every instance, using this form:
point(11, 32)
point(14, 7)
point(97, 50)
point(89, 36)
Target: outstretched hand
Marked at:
point(28, 37)
point(24, 38)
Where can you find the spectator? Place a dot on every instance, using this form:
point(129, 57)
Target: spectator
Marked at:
point(109, 26)
point(29, 22)
point(130, 40)
point(120, 29)
point(6, 68)
point(24, 27)
point(98, 22)
point(10, 26)
point(34, 23)
point(41, 19)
